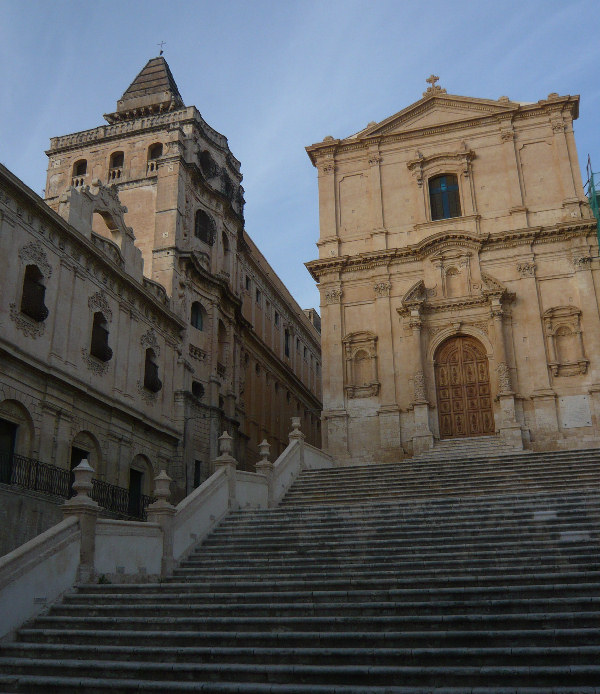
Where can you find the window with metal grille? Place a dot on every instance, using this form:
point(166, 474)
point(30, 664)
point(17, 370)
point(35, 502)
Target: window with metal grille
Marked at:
point(99, 347)
point(151, 380)
point(444, 197)
point(204, 227)
point(34, 291)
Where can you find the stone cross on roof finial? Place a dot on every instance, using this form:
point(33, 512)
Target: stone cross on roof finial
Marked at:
point(432, 79)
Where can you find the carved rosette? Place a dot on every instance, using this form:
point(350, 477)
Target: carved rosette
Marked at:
point(419, 387)
point(99, 302)
point(503, 372)
point(148, 339)
point(526, 269)
point(33, 253)
point(333, 296)
point(94, 365)
point(28, 326)
point(382, 289)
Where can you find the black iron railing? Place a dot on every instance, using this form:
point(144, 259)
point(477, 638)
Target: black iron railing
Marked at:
point(33, 474)
point(119, 500)
point(50, 479)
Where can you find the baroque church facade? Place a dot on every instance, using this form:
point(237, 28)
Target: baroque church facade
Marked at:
point(139, 319)
point(458, 272)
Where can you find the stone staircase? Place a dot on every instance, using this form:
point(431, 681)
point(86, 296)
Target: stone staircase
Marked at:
point(464, 576)
point(477, 446)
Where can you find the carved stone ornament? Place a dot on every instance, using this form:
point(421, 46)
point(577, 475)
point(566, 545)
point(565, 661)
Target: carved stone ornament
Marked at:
point(94, 365)
point(507, 135)
point(419, 387)
point(375, 159)
point(148, 339)
point(503, 377)
point(197, 353)
point(456, 162)
point(333, 296)
point(28, 326)
point(328, 167)
point(33, 253)
point(581, 263)
point(564, 340)
point(382, 289)
point(369, 391)
point(526, 269)
point(99, 302)
point(147, 396)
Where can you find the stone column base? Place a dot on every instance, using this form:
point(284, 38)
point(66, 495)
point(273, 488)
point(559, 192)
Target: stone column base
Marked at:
point(421, 444)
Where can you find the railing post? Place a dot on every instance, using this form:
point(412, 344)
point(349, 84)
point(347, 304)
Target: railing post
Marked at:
point(296, 435)
point(86, 509)
point(265, 467)
point(162, 512)
point(227, 461)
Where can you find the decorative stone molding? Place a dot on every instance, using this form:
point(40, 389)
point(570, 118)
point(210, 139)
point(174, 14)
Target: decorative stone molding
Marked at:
point(33, 253)
point(197, 353)
point(328, 168)
point(382, 289)
point(94, 365)
point(419, 387)
point(99, 302)
point(375, 160)
point(564, 339)
point(147, 396)
point(503, 372)
point(28, 326)
point(526, 269)
point(333, 296)
point(581, 262)
point(455, 162)
point(360, 356)
point(507, 135)
point(148, 339)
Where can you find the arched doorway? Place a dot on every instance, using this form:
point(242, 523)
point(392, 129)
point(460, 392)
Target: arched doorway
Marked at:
point(462, 384)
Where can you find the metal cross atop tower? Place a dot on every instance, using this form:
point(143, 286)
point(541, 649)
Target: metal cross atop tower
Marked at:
point(161, 44)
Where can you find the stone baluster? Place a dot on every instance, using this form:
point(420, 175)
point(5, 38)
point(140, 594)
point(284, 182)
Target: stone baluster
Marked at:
point(265, 467)
point(296, 435)
point(86, 510)
point(162, 512)
point(229, 463)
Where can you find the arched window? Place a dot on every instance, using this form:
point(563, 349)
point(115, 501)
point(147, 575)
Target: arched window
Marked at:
point(444, 197)
point(204, 227)
point(207, 164)
point(198, 315)
point(115, 167)
point(222, 343)
point(34, 291)
point(151, 379)
point(79, 172)
point(226, 254)
point(154, 152)
point(197, 389)
point(99, 347)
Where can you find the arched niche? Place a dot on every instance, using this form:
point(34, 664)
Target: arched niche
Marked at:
point(17, 428)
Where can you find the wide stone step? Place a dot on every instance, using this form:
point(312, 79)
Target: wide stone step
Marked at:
point(573, 636)
point(65, 685)
point(522, 620)
point(522, 655)
point(161, 593)
point(341, 609)
point(334, 674)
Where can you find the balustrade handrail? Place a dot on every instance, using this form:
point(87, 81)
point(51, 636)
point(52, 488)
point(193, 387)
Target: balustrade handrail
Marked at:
point(33, 474)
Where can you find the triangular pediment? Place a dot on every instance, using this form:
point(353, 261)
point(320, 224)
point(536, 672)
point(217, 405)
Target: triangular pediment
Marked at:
point(436, 110)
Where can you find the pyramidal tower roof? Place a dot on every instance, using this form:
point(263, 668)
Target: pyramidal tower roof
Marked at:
point(154, 90)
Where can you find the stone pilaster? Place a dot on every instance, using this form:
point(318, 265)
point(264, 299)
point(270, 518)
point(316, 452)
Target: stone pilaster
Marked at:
point(423, 437)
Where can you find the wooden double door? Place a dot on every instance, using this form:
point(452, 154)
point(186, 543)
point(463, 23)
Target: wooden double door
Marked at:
point(462, 382)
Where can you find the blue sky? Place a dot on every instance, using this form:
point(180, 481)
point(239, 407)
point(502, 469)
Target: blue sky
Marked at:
point(277, 75)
